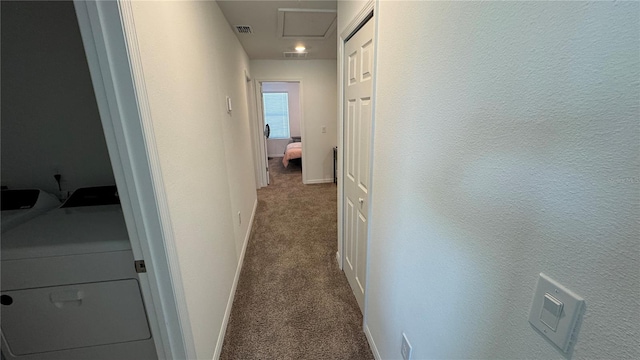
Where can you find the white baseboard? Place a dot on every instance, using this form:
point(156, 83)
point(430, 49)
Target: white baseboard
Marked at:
point(276, 155)
point(372, 344)
point(319, 181)
point(232, 295)
point(338, 259)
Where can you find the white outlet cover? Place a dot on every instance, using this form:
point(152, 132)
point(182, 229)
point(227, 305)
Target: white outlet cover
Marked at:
point(565, 333)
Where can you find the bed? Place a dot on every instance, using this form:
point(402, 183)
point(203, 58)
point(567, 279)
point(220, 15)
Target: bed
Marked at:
point(293, 151)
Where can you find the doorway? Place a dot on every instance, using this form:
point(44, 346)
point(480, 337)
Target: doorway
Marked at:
point(279, 118)
point(77, 262)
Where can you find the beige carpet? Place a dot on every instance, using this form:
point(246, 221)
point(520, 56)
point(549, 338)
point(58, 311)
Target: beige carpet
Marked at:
point(292, 301)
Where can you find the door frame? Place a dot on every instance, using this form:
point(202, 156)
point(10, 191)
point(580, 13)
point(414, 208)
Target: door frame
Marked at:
point(263, 164)
point(260, 118)
point(110, 41)
point(259, 158)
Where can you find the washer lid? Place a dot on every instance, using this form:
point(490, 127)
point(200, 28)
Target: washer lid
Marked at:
point(68, 231)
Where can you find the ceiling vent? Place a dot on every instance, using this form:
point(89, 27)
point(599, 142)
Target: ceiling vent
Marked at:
point(243, 29)
point(294, 55)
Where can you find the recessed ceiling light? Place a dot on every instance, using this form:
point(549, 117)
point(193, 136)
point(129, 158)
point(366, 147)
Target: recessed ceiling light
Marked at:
point(300, 48)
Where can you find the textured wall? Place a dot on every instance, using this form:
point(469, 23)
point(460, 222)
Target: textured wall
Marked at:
point(191, 62)
point(50, 119)
point(231, 62)
point(319, 108)
point(506, 144)
point(276, 147)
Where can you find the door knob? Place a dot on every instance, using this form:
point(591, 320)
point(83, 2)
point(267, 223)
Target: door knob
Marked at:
point(361, 200)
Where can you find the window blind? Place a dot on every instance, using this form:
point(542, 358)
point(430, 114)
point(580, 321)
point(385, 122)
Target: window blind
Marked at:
point(276, 114)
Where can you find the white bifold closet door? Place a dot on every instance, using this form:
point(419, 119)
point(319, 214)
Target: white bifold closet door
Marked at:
point(357, 144)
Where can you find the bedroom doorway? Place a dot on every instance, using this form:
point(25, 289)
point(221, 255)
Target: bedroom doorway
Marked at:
point(280, 122)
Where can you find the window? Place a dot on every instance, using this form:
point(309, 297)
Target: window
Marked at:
point(276, 114)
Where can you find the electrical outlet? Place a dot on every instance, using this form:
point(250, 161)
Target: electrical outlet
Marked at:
point(239, 218)
point(405, 349)
point(324, 129)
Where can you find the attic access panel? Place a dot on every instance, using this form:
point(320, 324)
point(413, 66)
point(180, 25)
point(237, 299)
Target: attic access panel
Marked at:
point(306, 23)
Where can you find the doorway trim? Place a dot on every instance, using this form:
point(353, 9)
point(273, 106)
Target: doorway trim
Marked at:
point(260, 119)
point(109, 37)
point(256, 134)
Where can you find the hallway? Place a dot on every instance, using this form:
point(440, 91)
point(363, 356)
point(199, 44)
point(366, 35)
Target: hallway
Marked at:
point(292, 300)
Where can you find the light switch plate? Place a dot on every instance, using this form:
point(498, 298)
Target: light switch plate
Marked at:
point(550, 299)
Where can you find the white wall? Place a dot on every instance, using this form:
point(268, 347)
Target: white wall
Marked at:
point(276, 147)
point(319, 107)
point(347, 11)
point(191, 61)
point(50, 119)
point(506, 144)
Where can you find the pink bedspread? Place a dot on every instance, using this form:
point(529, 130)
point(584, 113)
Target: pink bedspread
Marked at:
point(293, 151)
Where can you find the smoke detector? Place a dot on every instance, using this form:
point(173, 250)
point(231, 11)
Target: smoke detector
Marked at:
point(295, 55)
point(243, 29)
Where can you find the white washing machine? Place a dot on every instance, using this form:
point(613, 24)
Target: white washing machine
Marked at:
point(69, 285)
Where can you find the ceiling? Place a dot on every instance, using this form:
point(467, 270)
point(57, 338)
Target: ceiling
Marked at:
point(269, 39)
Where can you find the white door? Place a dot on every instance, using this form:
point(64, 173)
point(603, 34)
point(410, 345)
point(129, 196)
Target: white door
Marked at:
point(357, 132)
point(266, 132)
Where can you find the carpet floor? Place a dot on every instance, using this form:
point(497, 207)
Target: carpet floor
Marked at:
point(292, 300)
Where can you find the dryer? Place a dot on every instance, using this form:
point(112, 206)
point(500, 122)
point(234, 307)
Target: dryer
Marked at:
point(69, 285)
